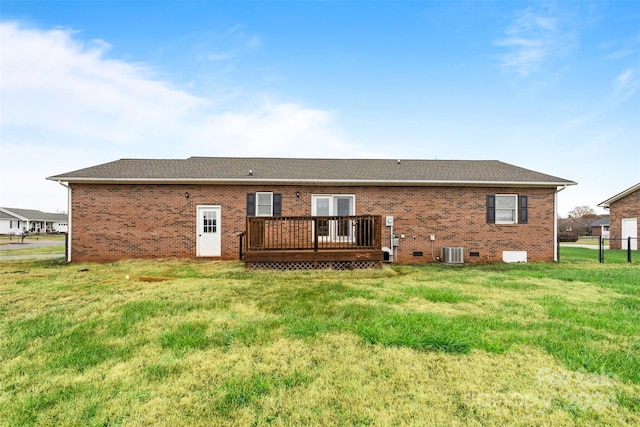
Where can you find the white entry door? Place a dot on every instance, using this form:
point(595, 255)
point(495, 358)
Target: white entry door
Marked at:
point(208, 237)
point(630, 229)
point(334, 205)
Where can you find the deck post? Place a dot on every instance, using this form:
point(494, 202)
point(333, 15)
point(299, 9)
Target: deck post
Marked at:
point(315, 235)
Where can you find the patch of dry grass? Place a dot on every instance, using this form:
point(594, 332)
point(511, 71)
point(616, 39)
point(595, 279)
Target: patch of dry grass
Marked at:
point(195, 343)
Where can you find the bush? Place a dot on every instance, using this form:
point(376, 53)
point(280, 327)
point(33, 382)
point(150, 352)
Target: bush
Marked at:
point(567, 236)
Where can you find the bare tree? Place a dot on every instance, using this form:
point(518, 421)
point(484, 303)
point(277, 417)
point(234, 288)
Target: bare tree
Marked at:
point(584, 215)
point(580, 211)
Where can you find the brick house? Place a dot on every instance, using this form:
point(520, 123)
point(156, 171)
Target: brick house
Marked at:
point(624, 211)
point(203, 207)
point(600, 227)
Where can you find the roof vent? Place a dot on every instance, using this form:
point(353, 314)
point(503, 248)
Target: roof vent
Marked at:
point(250, 172)
point(398, 161)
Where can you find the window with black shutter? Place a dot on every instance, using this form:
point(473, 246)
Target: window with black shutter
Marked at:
point(251, 204)
point(277, 204)
point(491, 209)
point(523, 214)
point(507, 209)
point(264, 204)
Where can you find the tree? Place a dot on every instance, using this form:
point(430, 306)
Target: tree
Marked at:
point(584, 215)
point(580, 211)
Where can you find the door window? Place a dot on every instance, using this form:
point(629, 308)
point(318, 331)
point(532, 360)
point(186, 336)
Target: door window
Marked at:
point(334, 205)
point(209, 221)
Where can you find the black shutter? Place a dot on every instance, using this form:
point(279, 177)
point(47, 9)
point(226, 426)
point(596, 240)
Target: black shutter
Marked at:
point(523, 214)
point(277, 204)
point(251, 204)
point(491, 209)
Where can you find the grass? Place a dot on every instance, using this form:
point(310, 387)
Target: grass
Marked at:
point(208, 343)
point(591, 240)
point(615, 256)
point(57, 249)
point(9, 238)
point(10, 245)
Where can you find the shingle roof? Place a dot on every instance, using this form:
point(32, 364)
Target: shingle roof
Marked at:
point(601, 221)
point(35, 215)
point(619, 196)
point(301, 171)
point(5, 215)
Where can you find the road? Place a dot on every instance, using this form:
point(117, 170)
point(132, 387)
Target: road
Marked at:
point(27, 245)
point(575, 245)
point(31, 244)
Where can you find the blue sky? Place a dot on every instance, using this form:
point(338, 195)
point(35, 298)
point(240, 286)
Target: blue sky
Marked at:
point(550, 86)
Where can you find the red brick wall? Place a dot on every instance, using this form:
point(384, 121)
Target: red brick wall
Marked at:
point(112, 222)
point(627, 207)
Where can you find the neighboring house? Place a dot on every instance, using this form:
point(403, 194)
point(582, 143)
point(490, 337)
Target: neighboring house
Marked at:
point(13, 220)
point(573, 226)
point(624, 211)
point(288, 211)
point(600, 227)
point(10, 224)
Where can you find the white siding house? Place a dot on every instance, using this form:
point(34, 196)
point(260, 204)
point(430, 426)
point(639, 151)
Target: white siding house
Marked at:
point(13, 221)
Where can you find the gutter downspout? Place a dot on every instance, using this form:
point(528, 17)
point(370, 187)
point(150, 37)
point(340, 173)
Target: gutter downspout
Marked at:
point(555, 223)
point(69, 228)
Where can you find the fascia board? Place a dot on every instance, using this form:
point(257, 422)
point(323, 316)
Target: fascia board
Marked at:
point(619, 196)
point(336, 182)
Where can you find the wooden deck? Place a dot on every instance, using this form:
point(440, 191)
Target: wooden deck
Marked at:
point(292, 243)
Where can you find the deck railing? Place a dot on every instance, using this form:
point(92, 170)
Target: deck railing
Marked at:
point(313, 233)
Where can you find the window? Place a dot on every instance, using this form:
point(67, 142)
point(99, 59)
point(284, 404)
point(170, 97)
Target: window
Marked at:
point(264, 204)
point(507, 209)
point(506, 212)
point(334, 205)
point(209, 222)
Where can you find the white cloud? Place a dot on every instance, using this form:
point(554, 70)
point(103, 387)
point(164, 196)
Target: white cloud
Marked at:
point(56, 84)
point(532, 39)
point(214, 56)
point(580, 121)
point(626, 84)
point(65, 96)
point(619, 54)
point(250, 40)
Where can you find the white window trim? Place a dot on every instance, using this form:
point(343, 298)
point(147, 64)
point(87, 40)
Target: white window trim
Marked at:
point(258, 205)
point(333, 196)
point(333, 231)
point(515, 209)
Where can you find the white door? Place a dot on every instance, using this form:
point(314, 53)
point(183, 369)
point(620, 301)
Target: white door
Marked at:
point(208, 237)
point(630, 229)
point(334, 205)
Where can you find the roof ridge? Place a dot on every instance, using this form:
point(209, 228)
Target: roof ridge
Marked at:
point(333, 171)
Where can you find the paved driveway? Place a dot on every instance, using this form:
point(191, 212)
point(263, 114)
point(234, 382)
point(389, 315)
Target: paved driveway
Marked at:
point(9, 258)
point(575, 245)
point(29, 244)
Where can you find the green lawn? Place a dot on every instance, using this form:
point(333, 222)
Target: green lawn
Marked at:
point(57, 249)
point(8, 239)
point(208, 343)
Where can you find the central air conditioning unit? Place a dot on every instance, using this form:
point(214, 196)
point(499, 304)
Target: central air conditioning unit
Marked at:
point(452, 255)
point(387, 254)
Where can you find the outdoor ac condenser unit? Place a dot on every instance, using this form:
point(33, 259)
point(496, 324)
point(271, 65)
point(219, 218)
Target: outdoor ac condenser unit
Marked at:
point(452, 255)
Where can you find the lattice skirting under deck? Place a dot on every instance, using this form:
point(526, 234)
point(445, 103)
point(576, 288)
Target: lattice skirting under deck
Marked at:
point(311, 265)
